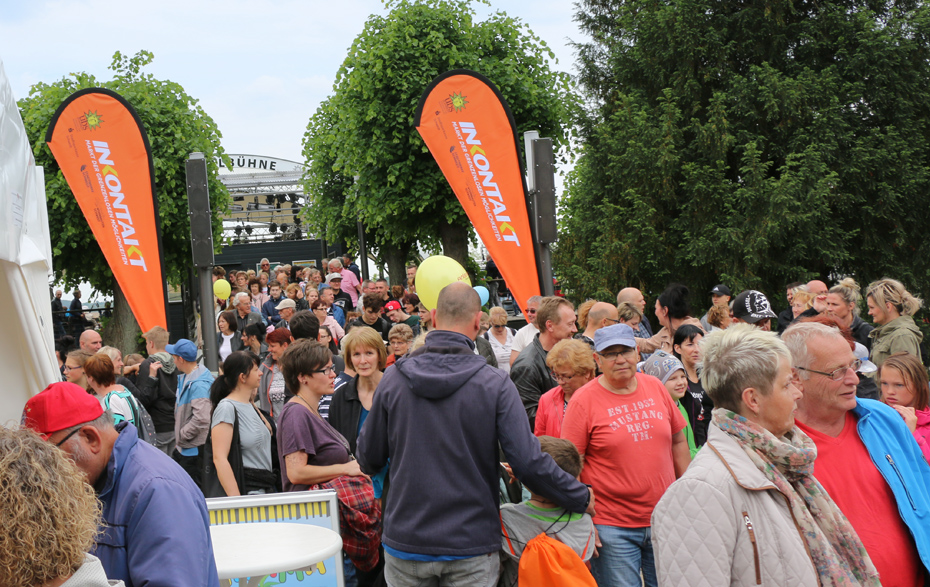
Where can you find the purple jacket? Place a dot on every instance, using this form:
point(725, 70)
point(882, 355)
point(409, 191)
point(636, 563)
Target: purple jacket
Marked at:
point(439, 415)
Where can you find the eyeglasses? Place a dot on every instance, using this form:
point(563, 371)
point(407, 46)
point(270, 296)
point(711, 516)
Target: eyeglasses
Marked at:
point(612, 356)
point(70, 434)
point(529, 311)
point(69, 368)
point(836, 374)
point(612, 320)
point(559, 377)
point(325, 370)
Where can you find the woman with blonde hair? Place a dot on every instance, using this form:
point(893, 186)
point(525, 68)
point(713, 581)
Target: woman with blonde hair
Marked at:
point(50, 516)
point(365, 354)
point(399, 339)
point(74, 367)
point(118, 368)
point(802, 301)
point(582, 313)
point(426, 319)
point(500, 336)
point(843, 304)
point(571, 363)
point(892, 307)
point(906, 389)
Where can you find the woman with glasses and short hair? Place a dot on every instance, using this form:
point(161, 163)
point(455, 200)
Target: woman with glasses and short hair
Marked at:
point(572, 366)
point(399, 339)
point(365, 355)
point(631, 435)
point(311, 451)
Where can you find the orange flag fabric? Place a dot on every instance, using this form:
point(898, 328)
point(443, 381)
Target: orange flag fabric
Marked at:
point(103, 152)
point(469, 129)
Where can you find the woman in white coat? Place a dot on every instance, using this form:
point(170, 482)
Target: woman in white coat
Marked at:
point(748, 511)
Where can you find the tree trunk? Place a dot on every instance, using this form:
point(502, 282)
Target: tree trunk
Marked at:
point(122, 330)
point(395, 256)
point(454, 239)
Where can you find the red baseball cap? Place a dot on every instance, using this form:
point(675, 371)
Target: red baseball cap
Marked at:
point(60, 405)
point(392, 305)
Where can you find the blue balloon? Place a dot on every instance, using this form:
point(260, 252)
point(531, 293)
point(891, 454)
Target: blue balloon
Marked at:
point(483, 293)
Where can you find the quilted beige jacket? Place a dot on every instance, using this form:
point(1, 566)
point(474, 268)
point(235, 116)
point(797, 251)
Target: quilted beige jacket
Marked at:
point(724, 523)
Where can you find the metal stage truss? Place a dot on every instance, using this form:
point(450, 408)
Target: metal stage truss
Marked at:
point(267, 197)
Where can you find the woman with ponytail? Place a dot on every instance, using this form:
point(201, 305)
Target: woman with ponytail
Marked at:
point(843, 305)
point(892, 308)
point(231, 396)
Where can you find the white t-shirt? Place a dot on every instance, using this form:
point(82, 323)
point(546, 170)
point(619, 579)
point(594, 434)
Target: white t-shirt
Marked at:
point(226, 347)
point(523, 338)
point(502, 351)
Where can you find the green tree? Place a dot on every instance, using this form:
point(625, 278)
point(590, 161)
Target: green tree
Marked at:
point(751, 144)
point(366, 160)
point(176, 126)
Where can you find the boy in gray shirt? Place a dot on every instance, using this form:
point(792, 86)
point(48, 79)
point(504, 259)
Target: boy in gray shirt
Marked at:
point(521, 522)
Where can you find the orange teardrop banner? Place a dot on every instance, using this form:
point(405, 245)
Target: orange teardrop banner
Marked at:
point(469, 129)
point(103, 152)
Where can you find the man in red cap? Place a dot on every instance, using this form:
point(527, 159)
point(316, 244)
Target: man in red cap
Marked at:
point(152, 511)
point(395, 311)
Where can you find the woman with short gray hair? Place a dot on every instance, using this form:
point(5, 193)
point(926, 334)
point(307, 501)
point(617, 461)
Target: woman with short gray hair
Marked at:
point(756, 462)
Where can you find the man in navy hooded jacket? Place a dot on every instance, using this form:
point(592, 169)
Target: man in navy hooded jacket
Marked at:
point(439, 415)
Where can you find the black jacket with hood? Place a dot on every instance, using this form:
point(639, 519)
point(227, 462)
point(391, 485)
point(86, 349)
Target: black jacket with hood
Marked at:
point(158, 394)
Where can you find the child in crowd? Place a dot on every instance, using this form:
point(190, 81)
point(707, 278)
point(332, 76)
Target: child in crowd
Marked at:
point(630, 315)
point(671, 372)
point(521, 522)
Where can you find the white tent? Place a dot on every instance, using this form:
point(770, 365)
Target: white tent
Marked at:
point(27, 350)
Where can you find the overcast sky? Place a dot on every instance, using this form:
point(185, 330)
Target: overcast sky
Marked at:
point(259, 68)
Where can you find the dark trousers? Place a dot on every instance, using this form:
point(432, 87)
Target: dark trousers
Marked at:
point(193, 464)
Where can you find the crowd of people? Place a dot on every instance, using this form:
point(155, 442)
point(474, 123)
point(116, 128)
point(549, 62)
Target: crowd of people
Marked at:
point(743, 447)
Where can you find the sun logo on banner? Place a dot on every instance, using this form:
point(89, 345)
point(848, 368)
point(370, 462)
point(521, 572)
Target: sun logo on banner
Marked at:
point(458, 101)
point(93, 119)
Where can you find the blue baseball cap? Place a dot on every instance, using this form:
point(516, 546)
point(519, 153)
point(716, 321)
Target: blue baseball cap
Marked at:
point(613, 335)
point(184, 348)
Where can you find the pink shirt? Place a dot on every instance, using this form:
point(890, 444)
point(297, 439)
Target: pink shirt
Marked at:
point(550, 412)
point(922, 433)
point(349, 283)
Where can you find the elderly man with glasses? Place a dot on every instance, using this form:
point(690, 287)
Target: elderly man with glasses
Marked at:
point(155, 528)
point(631, 435)
point(867, 459)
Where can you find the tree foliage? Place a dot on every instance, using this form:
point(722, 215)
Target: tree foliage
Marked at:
point(176, 126)
point(750, 143)
point(366, 160)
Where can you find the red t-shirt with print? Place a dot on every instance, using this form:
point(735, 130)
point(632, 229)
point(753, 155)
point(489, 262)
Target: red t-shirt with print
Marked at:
point(626, 441)
point(846, 471)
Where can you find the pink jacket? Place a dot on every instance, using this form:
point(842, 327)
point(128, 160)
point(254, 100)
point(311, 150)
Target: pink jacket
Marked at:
point(549, 413)
point(922, 434)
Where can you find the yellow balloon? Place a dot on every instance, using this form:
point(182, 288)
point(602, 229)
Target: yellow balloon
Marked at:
point(435, 273)
point(221, 289)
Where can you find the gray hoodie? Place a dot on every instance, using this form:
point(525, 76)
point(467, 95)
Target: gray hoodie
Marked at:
point(440, 415)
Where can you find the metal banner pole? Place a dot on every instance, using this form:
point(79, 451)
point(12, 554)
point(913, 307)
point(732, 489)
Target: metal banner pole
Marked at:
point(198, 200)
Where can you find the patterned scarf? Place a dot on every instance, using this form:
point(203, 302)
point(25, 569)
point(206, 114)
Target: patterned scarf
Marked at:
point(788, 462)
